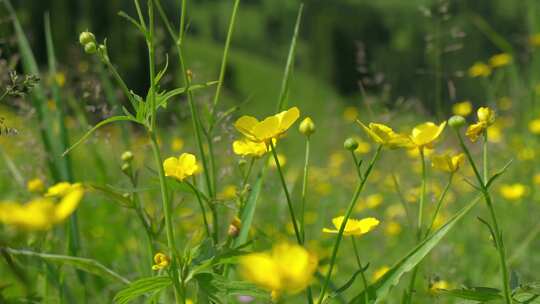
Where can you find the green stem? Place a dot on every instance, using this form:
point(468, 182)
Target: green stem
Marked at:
point(304, 191)
point(362, 274)
point(287, 195)
point(203, 210)
point(339, 237)
point(439, 204)
point(167, 214)
point(248, 172)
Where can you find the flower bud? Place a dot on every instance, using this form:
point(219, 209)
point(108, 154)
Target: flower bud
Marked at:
point(126, 167)
point(234, 227)
point(90, 48)
point(350, 144)
point(127, 156)
point(456, 121)
point(242, 163)
point(307, 126)
point(86, 37)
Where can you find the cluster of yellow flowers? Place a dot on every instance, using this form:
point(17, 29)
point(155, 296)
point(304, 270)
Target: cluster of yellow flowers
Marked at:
point(43, 212)
point(481, 69)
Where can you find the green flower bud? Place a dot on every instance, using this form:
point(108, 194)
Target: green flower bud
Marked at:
point(126, 167)
point(127, 156)
point(307, 127)
point(90, 48)
point(86, 37)
point(350, 144)
point(456, 121)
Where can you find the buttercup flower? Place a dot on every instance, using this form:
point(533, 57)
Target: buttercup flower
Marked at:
point(513, 192)
point(246, 147)
point(479, 69)
point(486, 117)
point(182, 167)
point(353, 227)
point(41, 213)
point(35, 185)
point(272, 127)
point(447, 163)
point(500, 60)
point(61, 189)
point(534, 126)
point(463, 108)
point(161, 261)
point(424, 135)
point(385, 136)
point(287, 268)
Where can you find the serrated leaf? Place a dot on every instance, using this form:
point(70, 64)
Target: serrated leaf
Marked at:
point(379, 290)
point(84, 264)
point(99, 125)
point(141, 287)
point(482, 294)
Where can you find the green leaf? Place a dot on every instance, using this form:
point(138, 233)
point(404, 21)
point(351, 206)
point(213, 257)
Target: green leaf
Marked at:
point(141, 287)
point(499, 173)
point(349, 283)
point(163, 97)
point(249, 210)
point(527, 298)
point(482, 294)
point(219, 288)
point(99, 125)
point(379, 290)
point(84, 264)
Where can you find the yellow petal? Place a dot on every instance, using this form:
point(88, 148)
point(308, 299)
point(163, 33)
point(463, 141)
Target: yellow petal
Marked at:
point(68, 204)
point(288, 118)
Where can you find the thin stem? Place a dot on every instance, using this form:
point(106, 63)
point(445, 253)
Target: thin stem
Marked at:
point(287, 195)
point(439, 204)
point(485, 156)
point(339, 237)
point(422, 195)
point(356, 165)
point(167, 214)
point(248, 172)
point(362, 274)
point(201, 205)
point(304, 191)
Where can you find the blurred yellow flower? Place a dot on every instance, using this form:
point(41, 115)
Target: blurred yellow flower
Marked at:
point(182, 167)
point(392, 228)
point(385, 136)
point(379, 272)
point(228, 192)
point(486, 117)
point(41, 213)
point(350, 114)
point(62, 189)
point(534, 126)
point(363, 147)
point(60, 79)
point(270, 128)
point(447, 163)
point(35, 185)
point(534, 40)
point(438, 285)
point(161, 261)
point(246, 147)
point(463, 108)
point(494, 134)
point(424, 135)
point(479, 69)
point(287, 268)
point(281, 158)
point(505, 103)
point(513, 192)
point(415, 153)
point(500, 60)
point(177, 144)
point(353, 226)
point(536, 179)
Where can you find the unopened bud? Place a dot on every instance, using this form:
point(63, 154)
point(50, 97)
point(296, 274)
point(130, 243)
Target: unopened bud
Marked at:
point(350, 144)
point(86, 37)
point(90, 48)
point(456, 121)
point(307, 126)
point(234, 227)
point(126, 167)
point(127, 156)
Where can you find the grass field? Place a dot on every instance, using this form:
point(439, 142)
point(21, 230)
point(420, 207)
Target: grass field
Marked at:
point(179, 195)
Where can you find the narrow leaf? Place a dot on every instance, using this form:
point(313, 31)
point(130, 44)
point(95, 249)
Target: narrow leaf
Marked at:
point(141, 287)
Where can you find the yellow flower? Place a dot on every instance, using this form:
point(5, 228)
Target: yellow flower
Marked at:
point(463, 108)
point(486, 117)
point(177, 144)
point(35, 185)
point(513, 192)
point(534, 126)
point(228, 192)
point(246, 147)
point(286, 269)
point(438, 285)
point(500, 60)
point(505, 103)
point(534, 40)
point(41, 213)
point(447, 163)
point(350, 114)
point(424, 135)
point(393, 228)
point(182, 167)
point(161, 261)
point(385, 136)
point(60, 79)
point(353, 227)
point(536, 179)
point(479, 69)
point(271, 127)
point(62, 189)
point(380, 272)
